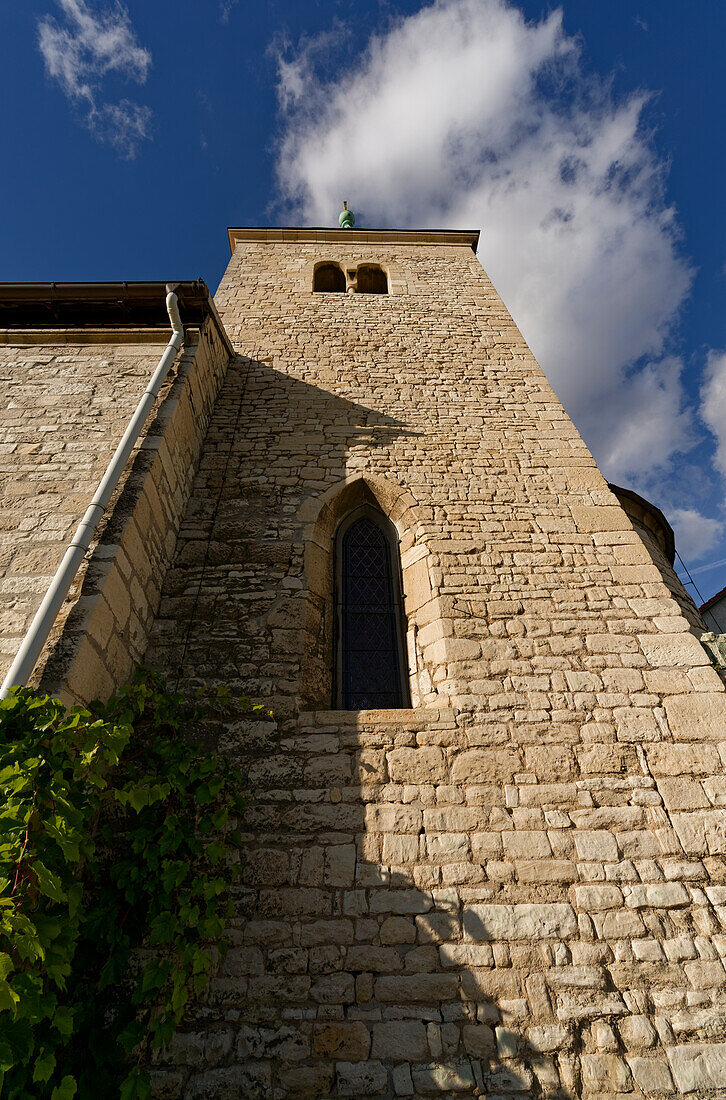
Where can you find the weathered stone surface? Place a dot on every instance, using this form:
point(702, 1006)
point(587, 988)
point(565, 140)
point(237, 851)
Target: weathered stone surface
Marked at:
point(576, 977)
point(600, 518)
point(423, 765)
point(682, 793)
point(400, 901)
point(651, 1075)
point(662, 895)
point(451, 1077)
point(697, 717)
point(398, 930)
point(698, 1067)
point(307, 1081)
point(466, 954)
point(548, 1037)
point(607, 759)
point(381, 959)
point(595, 845)
point(251, 1080)
point(668, 650)
point(514, 922)
point(340, 865)
point(546, 870)
point(573, 1007)
point(605, 1073)
point(78, 396)
point(326, 931)
point(510, 1081)
point(479, 1040)
point(400, 848)
point(696, 759)
point(348, 1041)
point(485, 766)
point(637, 1032)
point(528, 843)
point(400, 1041)
point(702, 832)
point(361, 1078)
point(402, 1080)
point(417, 989)
point(591, 898)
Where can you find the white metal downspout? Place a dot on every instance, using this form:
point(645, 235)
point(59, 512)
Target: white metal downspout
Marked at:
point(47, 613)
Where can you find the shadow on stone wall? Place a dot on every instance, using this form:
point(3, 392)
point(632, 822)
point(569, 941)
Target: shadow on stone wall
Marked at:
point(103, 628)
point(345, 977)
point(234, 600)
point(430, 908)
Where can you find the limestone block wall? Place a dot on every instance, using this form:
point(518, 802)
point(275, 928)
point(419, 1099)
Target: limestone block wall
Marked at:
point(63, 410)
point(672, 580)
point(648, 522)
point(422, 916)
point(517, 887)
point(63, 407)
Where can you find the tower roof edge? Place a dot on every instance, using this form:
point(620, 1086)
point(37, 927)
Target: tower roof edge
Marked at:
point(272, 235)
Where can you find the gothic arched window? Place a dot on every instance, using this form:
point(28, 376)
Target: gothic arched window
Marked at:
point(329, 277)
point(371, 279)
point(370, 658)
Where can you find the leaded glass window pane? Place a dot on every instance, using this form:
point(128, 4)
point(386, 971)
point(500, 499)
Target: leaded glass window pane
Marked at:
point(370, 644)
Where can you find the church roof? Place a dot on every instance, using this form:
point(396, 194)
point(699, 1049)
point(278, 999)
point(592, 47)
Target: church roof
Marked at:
point(649, 516)
point(713, 600)
point(119, 304)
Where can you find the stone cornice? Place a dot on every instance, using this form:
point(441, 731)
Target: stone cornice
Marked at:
point(261, 235)
point(17, 337)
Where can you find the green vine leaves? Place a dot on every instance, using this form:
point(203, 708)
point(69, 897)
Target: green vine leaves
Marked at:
point(117, 857)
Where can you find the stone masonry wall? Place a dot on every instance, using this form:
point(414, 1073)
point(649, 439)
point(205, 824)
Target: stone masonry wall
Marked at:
point(517, 888)
point(63, 411)
point(421, 917)
point(63, 408)
point(672, 580)
point(649, 528)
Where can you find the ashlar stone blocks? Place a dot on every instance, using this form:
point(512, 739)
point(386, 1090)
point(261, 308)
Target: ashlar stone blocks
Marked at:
point(515, 888)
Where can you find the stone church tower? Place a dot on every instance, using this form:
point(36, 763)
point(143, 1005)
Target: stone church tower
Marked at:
point(486, 830)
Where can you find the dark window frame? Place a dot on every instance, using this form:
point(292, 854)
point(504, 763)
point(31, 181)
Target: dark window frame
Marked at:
point(374, 269)
point(324, 266)
point(390, 535)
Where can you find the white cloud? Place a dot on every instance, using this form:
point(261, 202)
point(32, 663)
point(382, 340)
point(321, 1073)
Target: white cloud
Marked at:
point(122, 125)
point(466, 115)
point(709, 565)
point(84, 49)
point(713, 403)
point(695, 534)
point(225, 9)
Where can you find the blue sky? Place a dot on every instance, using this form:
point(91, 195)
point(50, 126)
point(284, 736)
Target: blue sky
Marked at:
point(585, 139)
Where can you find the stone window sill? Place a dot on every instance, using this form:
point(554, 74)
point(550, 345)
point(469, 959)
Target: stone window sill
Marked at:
point(402, 716)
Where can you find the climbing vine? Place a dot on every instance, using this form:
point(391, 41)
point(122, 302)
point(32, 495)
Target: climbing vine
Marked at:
point(117, 842)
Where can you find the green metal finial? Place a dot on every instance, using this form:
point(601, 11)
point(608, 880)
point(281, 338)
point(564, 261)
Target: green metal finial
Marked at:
point(346, 219)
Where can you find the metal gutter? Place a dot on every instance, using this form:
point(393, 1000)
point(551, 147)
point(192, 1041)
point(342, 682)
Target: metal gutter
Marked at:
point(42, 624)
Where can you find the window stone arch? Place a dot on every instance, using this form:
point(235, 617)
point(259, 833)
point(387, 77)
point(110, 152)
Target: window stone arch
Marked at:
point(328, 277)
point(421, 601)
point(370, 668)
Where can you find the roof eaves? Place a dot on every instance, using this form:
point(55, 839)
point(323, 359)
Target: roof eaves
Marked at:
point(327, 234)
point(128, 304)
point(714, 599)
